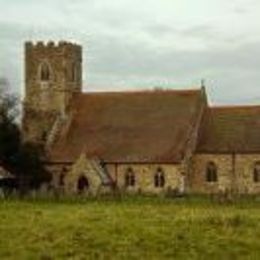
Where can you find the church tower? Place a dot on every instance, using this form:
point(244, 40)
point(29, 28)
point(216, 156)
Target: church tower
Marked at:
point(53, 73)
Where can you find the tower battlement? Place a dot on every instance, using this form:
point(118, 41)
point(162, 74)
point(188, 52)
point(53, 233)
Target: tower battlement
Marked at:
point(51, 46)
point(42, 44)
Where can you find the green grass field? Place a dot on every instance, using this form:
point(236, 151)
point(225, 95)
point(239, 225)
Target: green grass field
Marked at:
point(132, 228)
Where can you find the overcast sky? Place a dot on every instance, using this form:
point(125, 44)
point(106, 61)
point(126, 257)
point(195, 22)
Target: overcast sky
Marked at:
point(134, 44)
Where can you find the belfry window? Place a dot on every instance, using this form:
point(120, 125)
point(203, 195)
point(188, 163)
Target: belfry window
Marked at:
point(129, 178)
point(159, 179)
point(45, 72)
point(256, 173)
point(211, 172)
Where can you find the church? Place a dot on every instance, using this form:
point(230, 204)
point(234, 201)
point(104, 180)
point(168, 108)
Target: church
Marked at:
point(147, 141)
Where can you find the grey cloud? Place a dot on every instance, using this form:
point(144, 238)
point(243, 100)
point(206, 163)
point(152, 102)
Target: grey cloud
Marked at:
point(126, 57)
point(201, 31)
point(226, 69)
point(161, 30)
point(209, 35)
point(122, 51)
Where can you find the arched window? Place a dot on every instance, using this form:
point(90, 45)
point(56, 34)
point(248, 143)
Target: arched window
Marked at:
point(159, 179)
point(129, 177)
point(211, 172)
point(256, 176)
point(45, 72)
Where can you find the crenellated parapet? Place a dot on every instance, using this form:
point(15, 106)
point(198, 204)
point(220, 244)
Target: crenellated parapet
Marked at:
point(52, 47)
point(51, 44)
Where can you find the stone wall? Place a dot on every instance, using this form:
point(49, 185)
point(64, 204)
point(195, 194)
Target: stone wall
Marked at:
point(235, 172)
point(193, 138)
point(83, 167)
point(71, 173)
point(244, 171)
point(224, 171)
point(37, 125)
point(144, 177)
point(57, 170)
point(49, 97)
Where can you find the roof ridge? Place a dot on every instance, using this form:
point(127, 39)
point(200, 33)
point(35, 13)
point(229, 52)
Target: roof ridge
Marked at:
point(234, 107)
point(142, 91)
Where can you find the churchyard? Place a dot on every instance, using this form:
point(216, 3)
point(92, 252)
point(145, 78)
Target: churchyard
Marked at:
point(129, 228)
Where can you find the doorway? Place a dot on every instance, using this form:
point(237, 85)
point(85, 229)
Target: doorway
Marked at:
point(83, 184)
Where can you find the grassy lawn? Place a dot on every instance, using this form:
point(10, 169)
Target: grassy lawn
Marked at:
point(133, 228)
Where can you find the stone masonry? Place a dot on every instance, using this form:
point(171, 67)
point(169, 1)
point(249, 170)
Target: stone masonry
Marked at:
point(92, 142)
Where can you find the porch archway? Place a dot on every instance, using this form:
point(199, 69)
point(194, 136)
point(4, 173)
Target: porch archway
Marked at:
point(83, 184)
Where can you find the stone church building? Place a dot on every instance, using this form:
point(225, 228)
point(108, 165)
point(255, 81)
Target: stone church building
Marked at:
point(135, 141)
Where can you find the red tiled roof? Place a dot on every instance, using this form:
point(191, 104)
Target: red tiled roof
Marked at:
point(144, 126)
point(230, 129)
